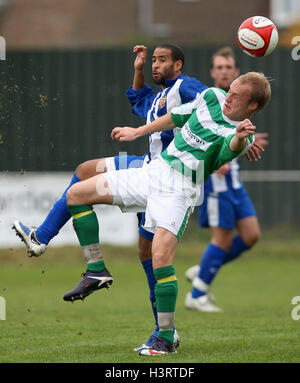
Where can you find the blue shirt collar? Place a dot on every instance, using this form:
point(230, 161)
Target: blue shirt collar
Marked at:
point(169, 83)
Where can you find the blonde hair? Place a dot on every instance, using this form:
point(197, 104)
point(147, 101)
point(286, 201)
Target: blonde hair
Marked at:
point(261, 88)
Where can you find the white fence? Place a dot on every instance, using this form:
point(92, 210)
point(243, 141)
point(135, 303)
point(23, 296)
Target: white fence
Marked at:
point(29, 197)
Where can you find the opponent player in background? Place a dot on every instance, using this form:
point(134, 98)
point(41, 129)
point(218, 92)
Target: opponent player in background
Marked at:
point(176, 89)
point(215, 128)
point(226, 206)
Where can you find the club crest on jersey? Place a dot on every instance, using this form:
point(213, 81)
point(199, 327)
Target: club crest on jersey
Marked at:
point(162, 102)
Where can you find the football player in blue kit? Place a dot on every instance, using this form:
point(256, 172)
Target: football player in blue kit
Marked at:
point(176, 88)
point(226, 207)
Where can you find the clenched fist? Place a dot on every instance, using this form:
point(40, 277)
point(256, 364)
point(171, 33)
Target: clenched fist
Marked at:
point(124, 134)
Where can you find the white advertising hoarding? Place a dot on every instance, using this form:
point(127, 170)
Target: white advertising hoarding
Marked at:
point(29, 197)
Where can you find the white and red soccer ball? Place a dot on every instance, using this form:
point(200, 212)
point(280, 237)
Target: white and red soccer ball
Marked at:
point(257, 36)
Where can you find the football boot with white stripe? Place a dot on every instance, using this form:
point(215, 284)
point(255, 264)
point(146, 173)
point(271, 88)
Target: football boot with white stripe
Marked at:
point(34, 247)
point(160, 347)
point(89, 283)
point(153, 338)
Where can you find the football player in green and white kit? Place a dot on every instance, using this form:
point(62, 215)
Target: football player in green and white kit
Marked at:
point(215, 128)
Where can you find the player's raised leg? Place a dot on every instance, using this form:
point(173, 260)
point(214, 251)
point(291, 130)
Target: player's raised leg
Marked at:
point(80, 199)
point(123, 188)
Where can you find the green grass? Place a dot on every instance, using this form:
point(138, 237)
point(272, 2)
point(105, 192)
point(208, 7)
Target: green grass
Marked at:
point(255, 293)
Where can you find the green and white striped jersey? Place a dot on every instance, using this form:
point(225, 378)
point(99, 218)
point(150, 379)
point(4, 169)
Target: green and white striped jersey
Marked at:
point(202, 145)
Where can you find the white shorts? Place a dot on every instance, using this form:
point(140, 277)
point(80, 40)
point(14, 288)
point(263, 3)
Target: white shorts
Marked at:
point(125, 162)
point(164, 194)
point(110, 164)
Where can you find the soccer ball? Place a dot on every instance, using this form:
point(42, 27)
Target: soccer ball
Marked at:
point(257, 36)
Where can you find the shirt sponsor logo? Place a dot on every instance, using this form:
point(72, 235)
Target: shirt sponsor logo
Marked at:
point(221, 130)
point(194, 140)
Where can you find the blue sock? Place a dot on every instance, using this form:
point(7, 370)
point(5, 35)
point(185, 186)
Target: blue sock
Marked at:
point(147, 265)
point(212, 260)
point(56, 218)
point(237, 248)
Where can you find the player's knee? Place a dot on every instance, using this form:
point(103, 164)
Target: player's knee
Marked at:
point(88, 169)
point(144, 254)
point(160, 258)
point(221, 237)
point(224, 245)
point(252, 237)
point(81, 170)
point(223, 242)
point(70, 196)
point(145, 249)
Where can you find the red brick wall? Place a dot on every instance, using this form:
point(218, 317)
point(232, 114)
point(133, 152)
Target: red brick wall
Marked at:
point(207, 21)
point(61, 23)
point(93, 23)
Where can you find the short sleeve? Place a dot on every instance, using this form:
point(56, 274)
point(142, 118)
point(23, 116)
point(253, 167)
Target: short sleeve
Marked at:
point(141, 100)
point(227, 155)
point(190, 88)
point(182, 113)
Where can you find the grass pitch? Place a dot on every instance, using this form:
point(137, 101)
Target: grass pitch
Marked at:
point(254, 291)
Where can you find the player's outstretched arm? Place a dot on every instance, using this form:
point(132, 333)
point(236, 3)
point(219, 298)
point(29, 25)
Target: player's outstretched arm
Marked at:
point(129, 134)
point(243, 130)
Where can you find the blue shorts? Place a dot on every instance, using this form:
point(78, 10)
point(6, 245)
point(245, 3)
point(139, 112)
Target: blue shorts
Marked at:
point(225, 208)
point(127, 162)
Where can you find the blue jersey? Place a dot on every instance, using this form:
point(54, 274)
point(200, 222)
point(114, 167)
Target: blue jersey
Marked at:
point(225, 200)
point(220, 184)
point(149, 106)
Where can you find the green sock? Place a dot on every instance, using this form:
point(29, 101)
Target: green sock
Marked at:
point(86, 226)
point(166, 291)
point(96, 267)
